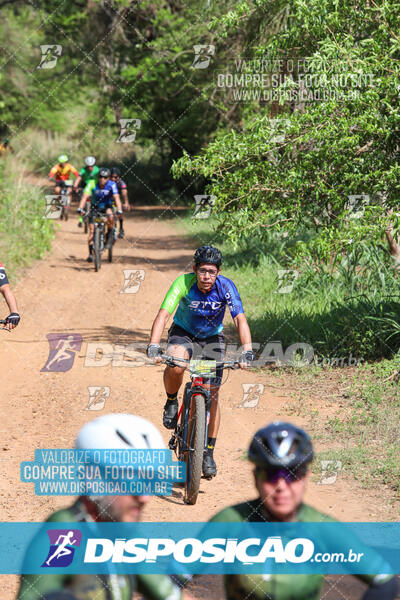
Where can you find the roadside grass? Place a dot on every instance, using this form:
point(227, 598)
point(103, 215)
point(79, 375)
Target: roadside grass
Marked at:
point(348, 310)
point(352, 313)
point(25, 234)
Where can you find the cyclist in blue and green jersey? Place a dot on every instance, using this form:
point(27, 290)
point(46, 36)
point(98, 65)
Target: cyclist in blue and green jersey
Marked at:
point(281, 454)
point(201, 298)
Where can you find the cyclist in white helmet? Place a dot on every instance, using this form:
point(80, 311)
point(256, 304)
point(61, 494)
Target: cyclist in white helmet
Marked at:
point(114, 431)
point(88, 173)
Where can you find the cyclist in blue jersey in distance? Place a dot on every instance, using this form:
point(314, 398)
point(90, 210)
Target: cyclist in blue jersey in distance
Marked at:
point(201, 298)
point(104, 193)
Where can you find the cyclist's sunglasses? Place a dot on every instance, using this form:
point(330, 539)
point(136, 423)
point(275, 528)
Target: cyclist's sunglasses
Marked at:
point(273, 474)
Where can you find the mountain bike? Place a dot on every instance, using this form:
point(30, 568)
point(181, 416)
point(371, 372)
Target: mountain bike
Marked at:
point(189, 440)
point(64, 198)
point(99, 220)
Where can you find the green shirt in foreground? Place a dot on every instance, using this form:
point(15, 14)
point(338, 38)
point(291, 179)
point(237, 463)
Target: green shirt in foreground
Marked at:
point(95, 587)
point(275, 586)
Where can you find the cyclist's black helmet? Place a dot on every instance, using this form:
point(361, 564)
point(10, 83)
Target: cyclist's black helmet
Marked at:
point(208, 254)
point(281, 445)
point(104, 172)
point(115, 171)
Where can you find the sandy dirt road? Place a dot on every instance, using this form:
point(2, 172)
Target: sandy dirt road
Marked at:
point(62, 294)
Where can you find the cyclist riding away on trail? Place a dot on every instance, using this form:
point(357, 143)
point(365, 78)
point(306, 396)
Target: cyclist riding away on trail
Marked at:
point(88, 173)
point(116, 432)
point(104, 193)
point(123, 191)
point(13, 318)
point(201, 297)
point(281, 454)
point(62, 171)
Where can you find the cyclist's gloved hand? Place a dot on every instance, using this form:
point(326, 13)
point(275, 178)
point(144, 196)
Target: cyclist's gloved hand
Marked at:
point(119, 212)
point(247, 357)
point(153, 350)
point(79, 211)
point(13, 319)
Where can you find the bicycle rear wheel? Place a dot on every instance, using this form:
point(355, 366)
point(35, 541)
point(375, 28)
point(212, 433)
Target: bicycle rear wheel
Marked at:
point(97, 249)
point(194, 457)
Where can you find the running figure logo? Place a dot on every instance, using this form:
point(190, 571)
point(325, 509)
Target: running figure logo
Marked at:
point(132, 280)
point(129, 128)
point(50, 54)
point(97, 397)
point(53, 207)
point(62, 547)
point(202, 55)
point(204, 204)
point(251, 394)
point(62, 351)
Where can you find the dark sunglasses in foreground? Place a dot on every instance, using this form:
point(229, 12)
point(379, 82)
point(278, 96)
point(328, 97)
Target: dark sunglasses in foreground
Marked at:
point(273, 474)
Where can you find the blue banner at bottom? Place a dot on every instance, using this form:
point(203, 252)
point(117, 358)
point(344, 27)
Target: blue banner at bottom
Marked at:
point(247, 548)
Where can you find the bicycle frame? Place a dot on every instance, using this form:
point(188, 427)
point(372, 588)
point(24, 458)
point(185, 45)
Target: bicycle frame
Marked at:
point(192, 428)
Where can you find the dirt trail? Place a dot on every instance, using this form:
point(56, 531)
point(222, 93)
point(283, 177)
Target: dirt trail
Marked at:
point(63, 294)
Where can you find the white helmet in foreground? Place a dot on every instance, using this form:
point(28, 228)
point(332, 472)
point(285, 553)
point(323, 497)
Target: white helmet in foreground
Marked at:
point(119, 431)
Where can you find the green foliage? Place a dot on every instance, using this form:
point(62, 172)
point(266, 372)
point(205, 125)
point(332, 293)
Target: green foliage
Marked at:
point(25, 235)
point(327, 150)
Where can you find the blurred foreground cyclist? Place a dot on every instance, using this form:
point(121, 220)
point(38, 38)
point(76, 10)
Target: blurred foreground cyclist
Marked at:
point(115, 431)
point(281, 453)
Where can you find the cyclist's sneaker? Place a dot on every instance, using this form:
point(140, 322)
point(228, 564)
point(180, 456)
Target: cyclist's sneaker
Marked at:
point(209, 466)
point(170, 415)
point(121, 234)
point(90, 258)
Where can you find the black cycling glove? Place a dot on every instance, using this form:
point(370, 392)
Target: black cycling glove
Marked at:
point(13, 318)
point(153, 350)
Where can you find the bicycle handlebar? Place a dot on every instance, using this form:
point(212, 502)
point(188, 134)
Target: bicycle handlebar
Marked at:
point(170, 361)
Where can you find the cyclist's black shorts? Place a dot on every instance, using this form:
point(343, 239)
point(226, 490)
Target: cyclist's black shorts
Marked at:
point(211, 348)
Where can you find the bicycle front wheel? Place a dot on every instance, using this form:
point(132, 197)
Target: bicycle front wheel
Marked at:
point(97, 249)
point(194, 457)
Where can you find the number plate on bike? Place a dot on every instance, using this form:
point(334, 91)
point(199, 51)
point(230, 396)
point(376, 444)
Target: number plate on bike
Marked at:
point(203, 367)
